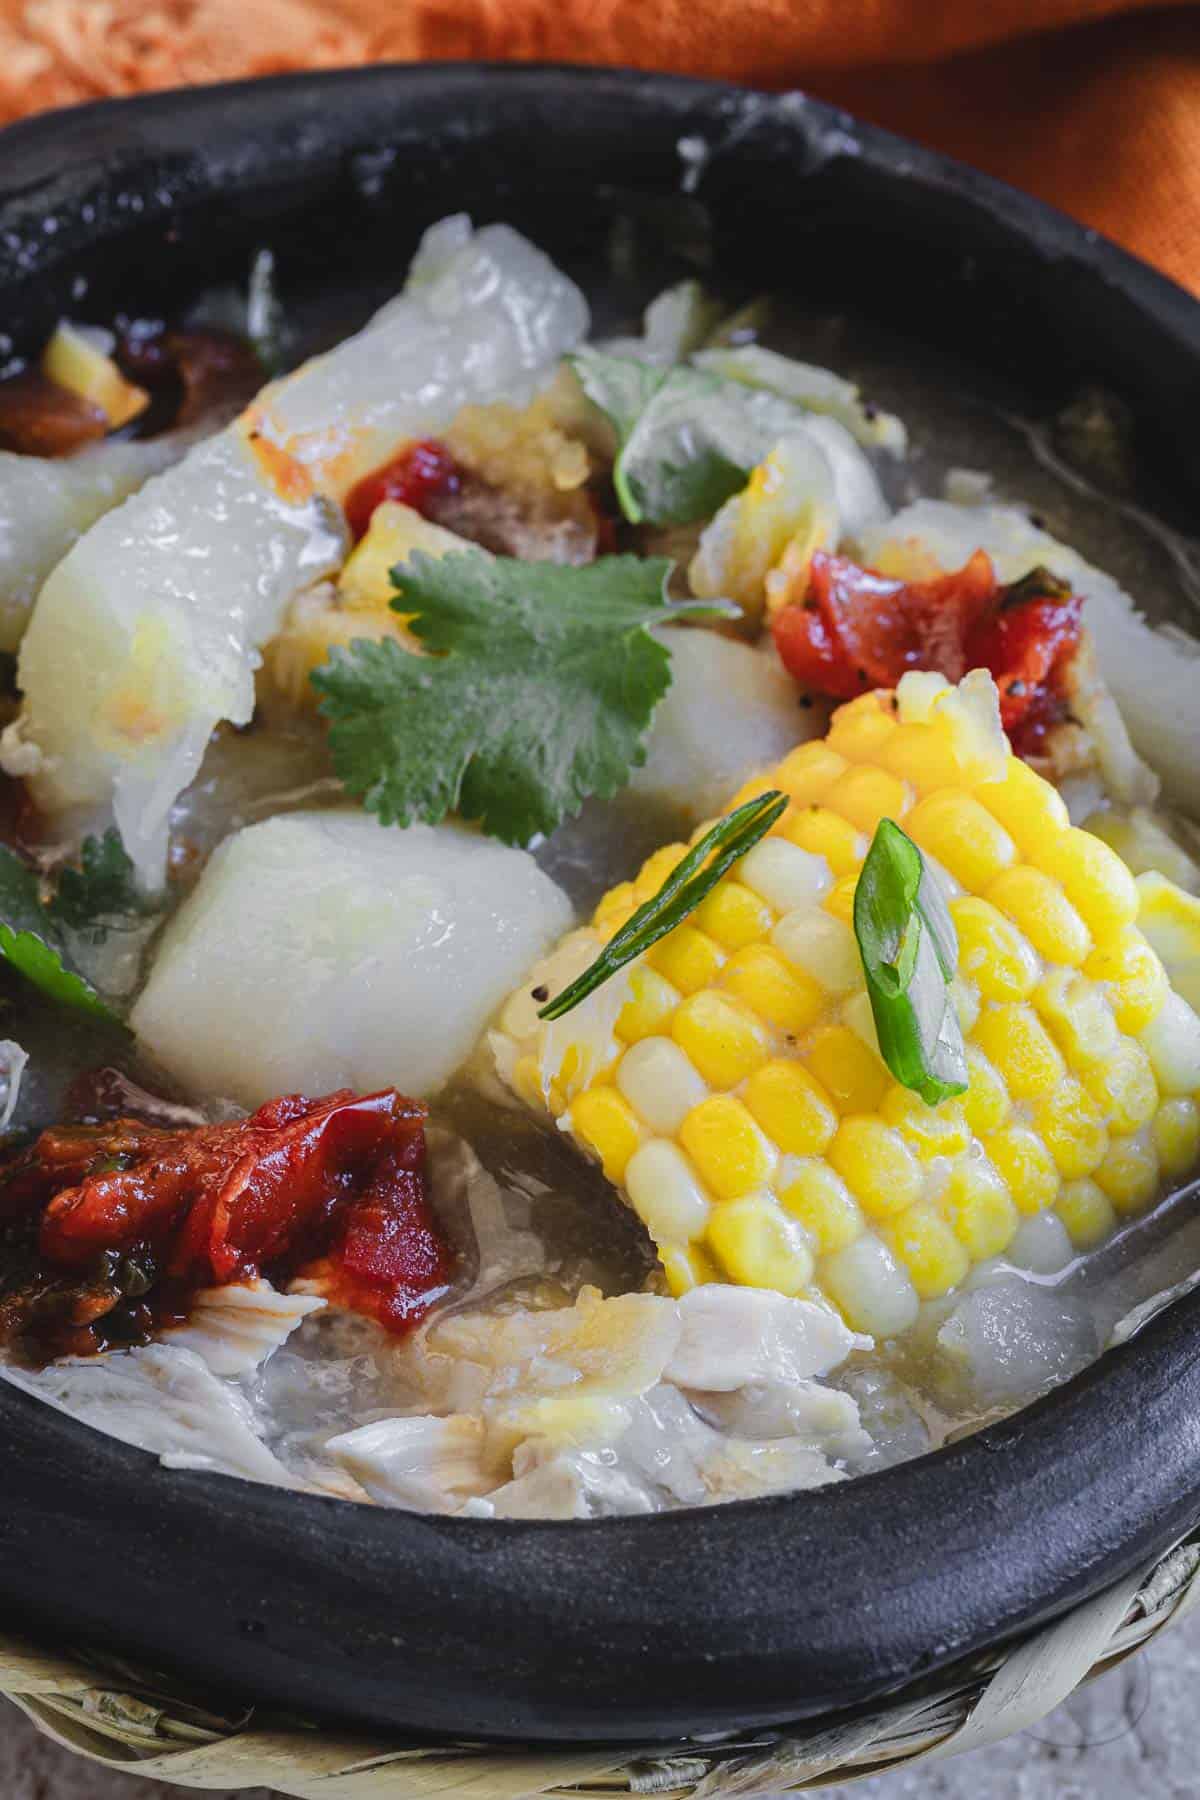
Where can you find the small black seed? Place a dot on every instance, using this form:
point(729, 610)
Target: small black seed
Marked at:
point(541, 994)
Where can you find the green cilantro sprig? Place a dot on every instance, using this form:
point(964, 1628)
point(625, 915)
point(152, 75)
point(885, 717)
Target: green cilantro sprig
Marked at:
point(33, 933)
point(537, 688)
point(680, 894)
point(687, 439)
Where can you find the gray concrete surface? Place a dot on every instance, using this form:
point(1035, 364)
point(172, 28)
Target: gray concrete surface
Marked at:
point(1134, 1735)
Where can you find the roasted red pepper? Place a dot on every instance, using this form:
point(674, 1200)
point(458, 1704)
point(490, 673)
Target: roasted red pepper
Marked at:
point(421, 473)
point(856, 630)
point(334, 1187)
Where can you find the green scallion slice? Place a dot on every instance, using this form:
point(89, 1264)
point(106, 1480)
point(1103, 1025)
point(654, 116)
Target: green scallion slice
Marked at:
point(680, 894)
point(909, 950)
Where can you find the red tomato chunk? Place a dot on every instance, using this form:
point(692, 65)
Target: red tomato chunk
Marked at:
point(856, 630)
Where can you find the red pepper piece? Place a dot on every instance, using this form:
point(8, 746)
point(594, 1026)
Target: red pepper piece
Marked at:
point(336, 1186)
point(420, 474)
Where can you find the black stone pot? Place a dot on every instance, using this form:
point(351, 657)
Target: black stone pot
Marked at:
point(645, 1628)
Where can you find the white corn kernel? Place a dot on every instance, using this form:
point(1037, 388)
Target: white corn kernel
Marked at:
point(665, 1193)
point(824, 947)
point(1041, 1245)
point(660, 1083)
point(1172, 1042)
point(870, 1287)
point(784, 875)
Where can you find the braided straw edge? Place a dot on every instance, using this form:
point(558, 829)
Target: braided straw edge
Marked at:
point(135, 1722)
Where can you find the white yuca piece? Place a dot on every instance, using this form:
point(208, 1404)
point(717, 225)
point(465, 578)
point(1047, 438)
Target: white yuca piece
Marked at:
point(1152, 671)
point(730, 709)
point(147, 634)
point(319, 950)
point(235, 1328)
point(46, 505)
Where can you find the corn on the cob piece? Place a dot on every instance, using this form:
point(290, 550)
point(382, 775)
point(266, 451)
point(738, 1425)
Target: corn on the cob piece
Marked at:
point(730, 1082)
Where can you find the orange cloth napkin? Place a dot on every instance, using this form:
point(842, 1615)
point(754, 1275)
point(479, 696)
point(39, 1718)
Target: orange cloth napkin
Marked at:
point(1093, 104)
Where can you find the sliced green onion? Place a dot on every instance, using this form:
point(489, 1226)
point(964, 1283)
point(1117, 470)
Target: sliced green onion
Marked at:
point(680, 894)
point(909, 950)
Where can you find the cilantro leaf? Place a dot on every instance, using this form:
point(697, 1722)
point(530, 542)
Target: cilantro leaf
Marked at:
point(538, 687)
point(102, 886)
point(687, 439)
point(30, 941)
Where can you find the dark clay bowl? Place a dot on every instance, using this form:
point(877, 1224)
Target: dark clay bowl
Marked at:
point(628, 1629)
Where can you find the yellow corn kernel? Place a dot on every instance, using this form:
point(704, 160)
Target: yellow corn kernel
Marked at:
point(825, 833)
point(666, 1193)
point(859, 730)
point(1038, 907)
point(810, 1191)
point(1133, 977)
point(962, 836)
point(985, 1104)
point(614, 909)
point(792, 1108)
point(806, 772)
point(1123, 1087)
point(1087, 1212)
point(686, 1266)
point(840, 899)
point(924, 756)
point(754, 789)
point(1030, 810)
point(870, 1287)
point(648, 1009)
point(867, 794)
point(76, 358)
point(759, 1245)
point(655, 869)
point(1094, 879)
point(567, 1077)
point(733, 916)
point(1078, 1015)
point(721, 1036)
point(1025, 1166)
point(876, 1164)
point(1177, 1136)
point(527, 1081)
point(991, 951)
point(921, 1239)
point(1016, 1043)
point(852, 1076)
point(785, 996)
point(978, 1208)
point(1073, 1128)
point(931, 1131)
point(689, 960)
point(1129, 1173)
point(606, 1124)
point(731, 1155)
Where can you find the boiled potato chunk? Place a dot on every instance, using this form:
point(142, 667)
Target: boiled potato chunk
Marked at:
point(323, 950)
